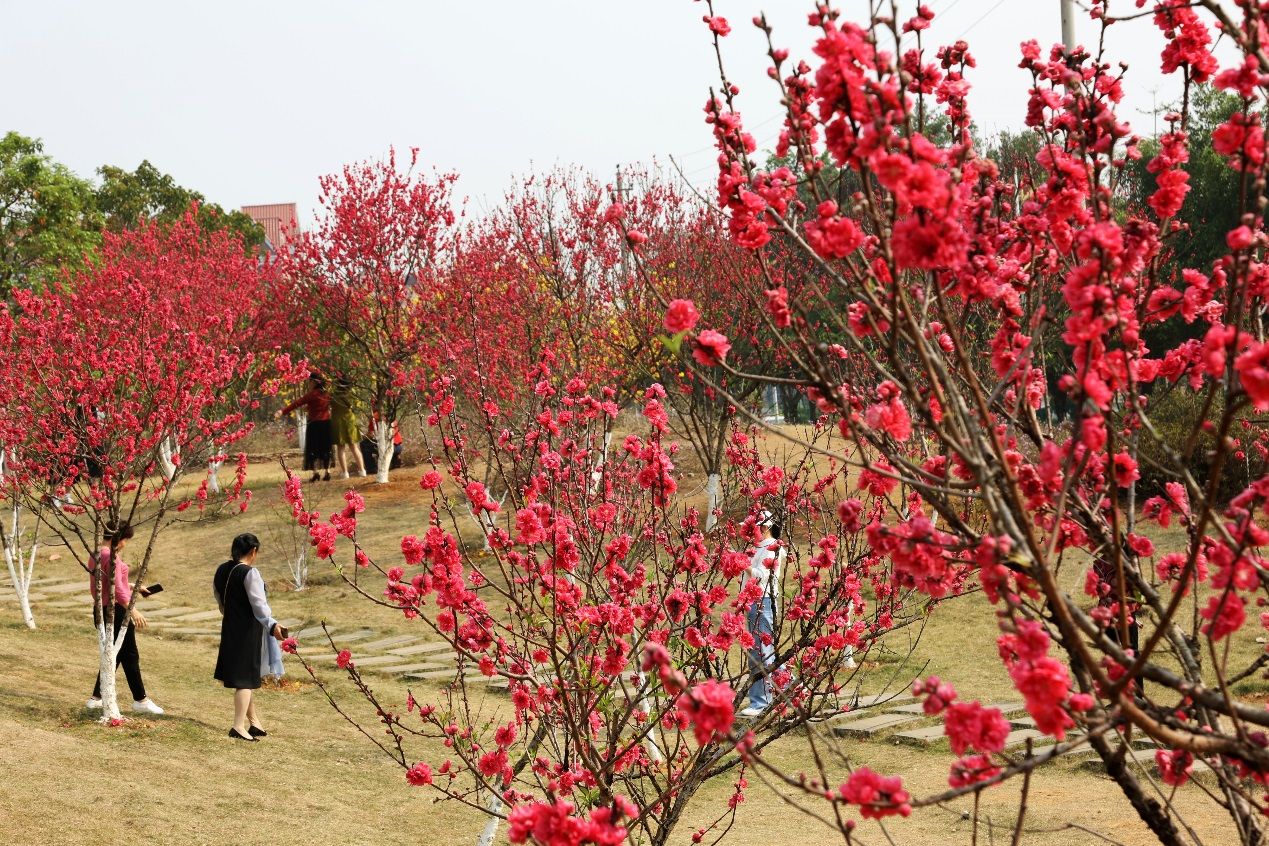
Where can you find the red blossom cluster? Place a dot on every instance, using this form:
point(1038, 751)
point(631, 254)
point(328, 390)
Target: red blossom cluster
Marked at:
point(1027, 330)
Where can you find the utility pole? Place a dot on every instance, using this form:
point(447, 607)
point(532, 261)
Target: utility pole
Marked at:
point(1068, 25)
point(625, 248)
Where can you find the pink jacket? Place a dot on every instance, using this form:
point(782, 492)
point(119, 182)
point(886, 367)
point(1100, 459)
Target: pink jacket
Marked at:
point(123, 588)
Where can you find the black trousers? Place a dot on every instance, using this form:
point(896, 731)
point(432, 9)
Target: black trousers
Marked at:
point(128, 657)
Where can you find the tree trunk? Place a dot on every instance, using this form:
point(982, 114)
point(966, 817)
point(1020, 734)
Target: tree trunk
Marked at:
point(650, 742)
point(20, 570)
point(166, 464)
point(213, 482)
point(484, 522)
point(713, 493)
point(299, 569)
point(301, 428)
point(597, 474)
point(107, 649)
point(494, 806)
point(383, 440)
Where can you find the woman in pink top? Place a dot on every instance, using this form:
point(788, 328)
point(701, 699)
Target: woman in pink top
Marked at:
point(116, 571)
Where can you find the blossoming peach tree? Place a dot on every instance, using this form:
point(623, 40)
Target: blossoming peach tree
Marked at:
point(105, 367)
point(368, 276)
point(617, 626)
point(964, 296)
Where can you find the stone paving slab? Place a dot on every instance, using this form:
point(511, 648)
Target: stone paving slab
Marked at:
point(37, 580)
point(168, 611)
point(876, 699)
point(922, 736)
point(311, 631)
point(376, 661)
point(351, 637)
point(1144, 757)
point(290, 622)
point(69, 603)
point(870, 727)
point(320, 641)
point(199, 617)
point(420, 649)
point(65, 587)
point(395, 640)
point(13, 597)
point(415, 668)
point(470, 678)
point(1019, 737)
point(194, 630)
point(910, 708)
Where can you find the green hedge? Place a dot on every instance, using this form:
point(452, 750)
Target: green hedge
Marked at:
point(1175, 411)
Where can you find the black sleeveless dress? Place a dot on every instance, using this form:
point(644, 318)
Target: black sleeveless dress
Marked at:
point(238, 662)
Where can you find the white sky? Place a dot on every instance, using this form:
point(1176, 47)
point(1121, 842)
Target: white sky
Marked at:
point(249, 102)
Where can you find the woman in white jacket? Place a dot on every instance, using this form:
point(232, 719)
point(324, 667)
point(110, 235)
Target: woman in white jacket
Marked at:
point(765, 565)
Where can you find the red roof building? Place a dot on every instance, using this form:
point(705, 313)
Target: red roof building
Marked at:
point(280, 221)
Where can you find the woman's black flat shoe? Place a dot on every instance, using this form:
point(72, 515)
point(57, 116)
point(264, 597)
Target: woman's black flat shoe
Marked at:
point(257, 732)
point(234, 734)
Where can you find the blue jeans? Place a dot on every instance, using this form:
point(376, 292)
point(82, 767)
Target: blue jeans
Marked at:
point(761, 620)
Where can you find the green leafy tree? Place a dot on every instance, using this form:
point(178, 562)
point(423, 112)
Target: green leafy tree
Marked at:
point(48, 218)
point(125, 197)
point(1211, 208)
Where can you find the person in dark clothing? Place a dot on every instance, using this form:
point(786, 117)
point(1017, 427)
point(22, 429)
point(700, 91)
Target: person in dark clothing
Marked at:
point(318, 436)
point(248, 634)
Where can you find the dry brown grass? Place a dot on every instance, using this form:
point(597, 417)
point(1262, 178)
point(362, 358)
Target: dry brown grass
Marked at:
point(181, 780)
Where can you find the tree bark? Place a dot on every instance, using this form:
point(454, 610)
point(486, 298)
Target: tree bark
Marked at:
point(494, 806)
point(383, 440)
point(301, 428)
point(20, 570)
point(107, 649)
point(166, 465)
point(713, 494)
point(213, 482)
point(299, 569)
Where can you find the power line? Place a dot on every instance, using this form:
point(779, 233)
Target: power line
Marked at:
point(984, 17)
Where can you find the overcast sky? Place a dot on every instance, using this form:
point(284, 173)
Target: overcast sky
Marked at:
point(249, 102)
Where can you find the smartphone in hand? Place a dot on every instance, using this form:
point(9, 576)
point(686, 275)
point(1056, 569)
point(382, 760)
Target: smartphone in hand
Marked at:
point(153, 589)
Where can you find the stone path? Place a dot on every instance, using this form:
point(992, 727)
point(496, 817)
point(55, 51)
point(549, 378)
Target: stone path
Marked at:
point(900, 719)
point(885, 717)
point(409, 656)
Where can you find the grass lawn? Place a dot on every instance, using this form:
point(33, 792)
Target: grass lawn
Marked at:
point(180, 779)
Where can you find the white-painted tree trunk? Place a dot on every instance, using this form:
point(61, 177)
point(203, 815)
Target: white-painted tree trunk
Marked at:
point(597, 474)
point(166, 452)
point(650, 742)
point(493, 806)
point(21, 565)
point(713, 494)
point(851, 663)
point(107, 650)
point(299, 569)
point(484, 521)
point(383, 440)
point(301, 428)
point(213, 481)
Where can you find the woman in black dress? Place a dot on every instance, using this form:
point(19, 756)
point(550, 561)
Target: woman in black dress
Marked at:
point(248, 634)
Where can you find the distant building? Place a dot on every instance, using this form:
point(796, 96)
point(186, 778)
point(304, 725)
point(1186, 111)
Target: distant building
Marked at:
point(280, 221)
